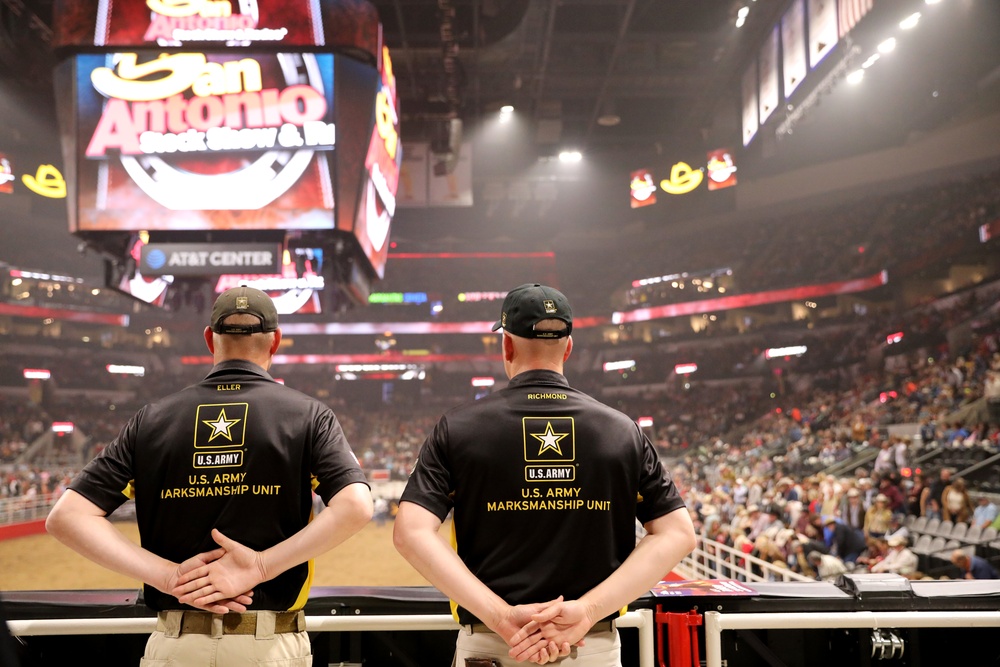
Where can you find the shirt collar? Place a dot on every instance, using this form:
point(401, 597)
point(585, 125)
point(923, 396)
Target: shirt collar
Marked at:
point(238, 365)
point(539, 376)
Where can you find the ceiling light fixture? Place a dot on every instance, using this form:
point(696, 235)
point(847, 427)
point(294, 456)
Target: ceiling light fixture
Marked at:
point(609, 115)
point(910, 21)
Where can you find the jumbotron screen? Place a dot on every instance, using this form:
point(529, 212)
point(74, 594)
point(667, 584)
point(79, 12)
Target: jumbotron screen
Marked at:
point(202, 141)
point(215, 121)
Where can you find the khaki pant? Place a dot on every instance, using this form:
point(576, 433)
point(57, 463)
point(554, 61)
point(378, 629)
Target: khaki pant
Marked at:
point(602, 649)
point(168, 646)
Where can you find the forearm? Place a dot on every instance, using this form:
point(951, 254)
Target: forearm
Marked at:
point(346, 514)
point(82, 526)
point(417, 540)
point(668, 541)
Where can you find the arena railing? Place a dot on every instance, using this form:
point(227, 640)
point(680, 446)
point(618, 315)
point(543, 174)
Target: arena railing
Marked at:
point(714, 560)
point(716, 623)
point(642, 619)
point(21, 509)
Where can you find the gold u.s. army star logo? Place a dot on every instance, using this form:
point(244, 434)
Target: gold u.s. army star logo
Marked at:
point(549, 449)
point(220, 425)
point(549, 305)
point(549, 440)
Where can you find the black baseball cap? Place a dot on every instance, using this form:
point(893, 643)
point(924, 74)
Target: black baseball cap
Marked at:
point(529, 304)
point(244, 300)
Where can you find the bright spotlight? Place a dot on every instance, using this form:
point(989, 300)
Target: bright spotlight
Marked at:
point(507, 108)
point(871, 61)
point(506, 113)
point(932, 2)
point(856, 76)
point(570, 157)
point(910, 21)
point(743, 12)
point(888, 46)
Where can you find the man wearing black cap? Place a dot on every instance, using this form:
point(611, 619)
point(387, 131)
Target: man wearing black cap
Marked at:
point(546, 484)
point(222, 473)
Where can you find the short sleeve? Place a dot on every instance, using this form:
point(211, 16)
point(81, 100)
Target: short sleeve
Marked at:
point(333, 464)
point(430, 484)
point(107, 480)
point(657, 493)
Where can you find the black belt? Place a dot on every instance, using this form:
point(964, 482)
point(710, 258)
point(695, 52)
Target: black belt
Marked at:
point(600, 626)
point(200, 622)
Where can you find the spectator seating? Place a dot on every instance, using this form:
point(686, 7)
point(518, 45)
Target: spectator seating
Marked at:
point(922, 545)
point(960, 531)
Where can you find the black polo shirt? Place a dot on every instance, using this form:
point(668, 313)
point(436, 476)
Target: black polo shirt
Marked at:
point(546, 483)
point(238, 452)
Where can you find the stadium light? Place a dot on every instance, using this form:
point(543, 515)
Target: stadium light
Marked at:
point(856, 76)
point(570, 157)
point(910, 21)
point(791, 351)
point(125, 369)
point(888, 46)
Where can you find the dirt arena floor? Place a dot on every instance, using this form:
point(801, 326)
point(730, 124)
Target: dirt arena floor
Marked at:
point(39, 562)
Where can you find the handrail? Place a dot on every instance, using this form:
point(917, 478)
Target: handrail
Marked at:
point(982, 464)
point(715, 623)
point(859, 459)
point(640, 618)
point(714, 560)
point(18, 509)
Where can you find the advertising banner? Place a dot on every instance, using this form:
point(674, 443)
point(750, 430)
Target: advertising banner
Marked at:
point(197, 259)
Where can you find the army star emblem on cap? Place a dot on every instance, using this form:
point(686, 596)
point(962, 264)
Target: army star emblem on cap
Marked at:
point(549, 305)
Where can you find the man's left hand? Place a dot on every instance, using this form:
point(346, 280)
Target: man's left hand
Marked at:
point(564, 624)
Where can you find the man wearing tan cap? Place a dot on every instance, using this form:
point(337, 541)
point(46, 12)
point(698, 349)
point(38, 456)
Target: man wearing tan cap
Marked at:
point(899, 560)
point(227, 462)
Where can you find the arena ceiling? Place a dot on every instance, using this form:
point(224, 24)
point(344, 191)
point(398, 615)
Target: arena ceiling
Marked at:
point(629, 83)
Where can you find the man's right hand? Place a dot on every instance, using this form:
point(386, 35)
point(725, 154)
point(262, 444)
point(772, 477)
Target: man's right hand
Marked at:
point(563, 623)
point(237, 603)
point(536, 648)
point(228, 577)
